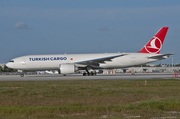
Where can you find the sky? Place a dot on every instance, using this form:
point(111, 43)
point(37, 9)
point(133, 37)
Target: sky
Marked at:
point(30, 27)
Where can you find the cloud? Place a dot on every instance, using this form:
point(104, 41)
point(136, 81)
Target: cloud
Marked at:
point(103, 29)
point(21, 25)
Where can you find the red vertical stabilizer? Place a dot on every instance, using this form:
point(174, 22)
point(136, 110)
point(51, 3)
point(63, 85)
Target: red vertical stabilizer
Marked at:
point(155, 44)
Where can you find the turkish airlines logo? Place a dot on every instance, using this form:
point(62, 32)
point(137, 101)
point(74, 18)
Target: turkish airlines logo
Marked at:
point(154, 46)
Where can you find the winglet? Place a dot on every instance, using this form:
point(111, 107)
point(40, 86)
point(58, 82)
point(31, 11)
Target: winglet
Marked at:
point(155, 44)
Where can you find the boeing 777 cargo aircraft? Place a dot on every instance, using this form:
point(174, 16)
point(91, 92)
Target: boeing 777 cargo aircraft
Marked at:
point(70, 63)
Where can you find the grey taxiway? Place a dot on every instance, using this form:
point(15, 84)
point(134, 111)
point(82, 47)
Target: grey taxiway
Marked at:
point(128, 76)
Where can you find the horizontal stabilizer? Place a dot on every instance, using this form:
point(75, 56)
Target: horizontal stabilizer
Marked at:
point(161, 56)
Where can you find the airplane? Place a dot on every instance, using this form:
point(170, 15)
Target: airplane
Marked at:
point(71, 63)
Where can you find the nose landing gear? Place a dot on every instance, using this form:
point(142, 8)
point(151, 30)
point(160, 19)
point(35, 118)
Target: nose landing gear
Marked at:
point(22, 74)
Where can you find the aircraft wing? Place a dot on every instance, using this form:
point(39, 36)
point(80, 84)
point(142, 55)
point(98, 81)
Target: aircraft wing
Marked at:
point(94, 63)
point(161, 56)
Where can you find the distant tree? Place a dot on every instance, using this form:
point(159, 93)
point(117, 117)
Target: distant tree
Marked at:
point(1, 69)
point(143, 65)
point(177, 65)
point(159, 65)
point(6, 69)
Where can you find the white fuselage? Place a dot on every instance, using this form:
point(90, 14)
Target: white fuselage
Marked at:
point(52, 62)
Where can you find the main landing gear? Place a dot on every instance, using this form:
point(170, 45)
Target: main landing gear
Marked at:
point(89, 73)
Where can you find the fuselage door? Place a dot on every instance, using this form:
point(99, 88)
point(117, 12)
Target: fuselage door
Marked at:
point(23, 62)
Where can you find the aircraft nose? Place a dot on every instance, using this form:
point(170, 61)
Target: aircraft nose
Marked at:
point(8, 65)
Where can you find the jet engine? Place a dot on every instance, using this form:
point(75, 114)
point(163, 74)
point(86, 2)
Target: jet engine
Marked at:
point(67, 68)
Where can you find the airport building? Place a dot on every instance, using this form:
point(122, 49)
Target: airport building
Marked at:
point(143, 70)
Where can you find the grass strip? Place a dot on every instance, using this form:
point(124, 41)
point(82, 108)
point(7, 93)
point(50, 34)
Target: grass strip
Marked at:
point(162, 105)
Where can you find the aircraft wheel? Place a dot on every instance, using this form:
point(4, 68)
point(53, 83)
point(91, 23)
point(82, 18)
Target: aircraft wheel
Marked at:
point(22, 74)
point(94, 74)
point(84, 74)
point(88, 74)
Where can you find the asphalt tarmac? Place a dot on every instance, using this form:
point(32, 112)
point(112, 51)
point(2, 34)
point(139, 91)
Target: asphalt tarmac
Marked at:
point(126, 76)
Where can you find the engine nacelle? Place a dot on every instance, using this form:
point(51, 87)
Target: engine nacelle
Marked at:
point(67, 68)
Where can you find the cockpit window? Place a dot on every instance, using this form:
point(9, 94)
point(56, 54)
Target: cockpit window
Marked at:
point(11, 61)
